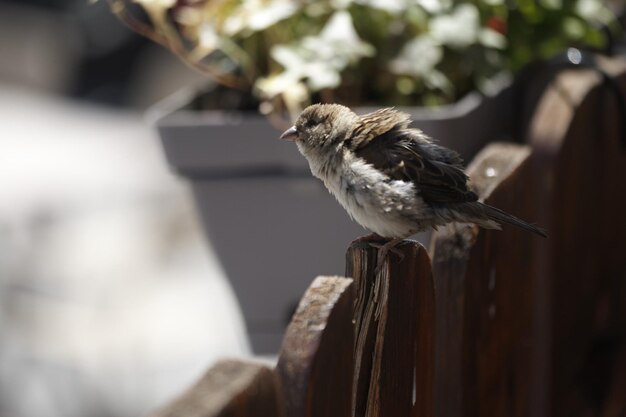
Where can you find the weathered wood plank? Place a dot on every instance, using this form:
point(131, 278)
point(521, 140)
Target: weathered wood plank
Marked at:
point(231, 388)
point(394, 316)
point(529, 326)
point(315, 365)
point(580, 170)
point(484, 292)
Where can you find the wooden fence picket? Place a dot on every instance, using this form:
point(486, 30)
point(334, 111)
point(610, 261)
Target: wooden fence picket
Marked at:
point(315, 365)
point(394, 318)
point(579, 174)
point(484, 284)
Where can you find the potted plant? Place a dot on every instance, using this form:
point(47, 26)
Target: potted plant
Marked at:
point(273, 226)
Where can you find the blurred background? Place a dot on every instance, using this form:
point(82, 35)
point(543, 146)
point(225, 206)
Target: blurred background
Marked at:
point(110, 299)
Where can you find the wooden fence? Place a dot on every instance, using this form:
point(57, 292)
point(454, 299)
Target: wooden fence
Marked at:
point(484, 323)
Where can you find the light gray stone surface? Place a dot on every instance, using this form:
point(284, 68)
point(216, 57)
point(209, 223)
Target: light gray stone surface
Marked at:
point(110, 301)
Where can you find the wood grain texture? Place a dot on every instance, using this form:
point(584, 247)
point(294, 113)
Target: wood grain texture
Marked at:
point(484, 298)
point(394, 316)
point(579, 167)
point(527, 326)
point(315, 365)
point(231, 388)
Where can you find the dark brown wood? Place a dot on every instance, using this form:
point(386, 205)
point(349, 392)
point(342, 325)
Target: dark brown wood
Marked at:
point(315, 365)
point(579, 169)
point(484, 291)
point(394, 316)
point(231, 388)
point(614, 405)
point(536, 327)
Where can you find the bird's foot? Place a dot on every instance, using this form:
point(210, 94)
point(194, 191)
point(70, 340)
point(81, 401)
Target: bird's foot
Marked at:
point(384, 246)
point(384, 250)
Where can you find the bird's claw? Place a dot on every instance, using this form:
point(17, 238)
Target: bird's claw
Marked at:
point(384, 250)
point(384, 246)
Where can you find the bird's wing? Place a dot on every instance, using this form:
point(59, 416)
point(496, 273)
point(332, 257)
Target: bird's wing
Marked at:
point(377, 123)
point(408, 155)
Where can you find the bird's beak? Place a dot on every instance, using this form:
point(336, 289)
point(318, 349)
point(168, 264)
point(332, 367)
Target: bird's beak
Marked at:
point(290, 134)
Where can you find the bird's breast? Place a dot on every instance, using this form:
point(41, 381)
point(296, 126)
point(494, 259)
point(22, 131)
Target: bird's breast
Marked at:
point(384, 206)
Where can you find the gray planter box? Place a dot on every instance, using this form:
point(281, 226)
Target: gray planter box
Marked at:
point(273, 226)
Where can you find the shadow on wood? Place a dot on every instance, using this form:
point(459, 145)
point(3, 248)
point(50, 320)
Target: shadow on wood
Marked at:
point(527, 326)
point(484, 298)
point(315, 365)
point(579, 170)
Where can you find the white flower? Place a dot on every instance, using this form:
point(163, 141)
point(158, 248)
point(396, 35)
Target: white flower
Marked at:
point(270, 14)
point(295, 97)
point(594, 9)
point(287, 56)
point(339, 30)
point(418, 57)
point(437, 80)
point(340, 27)
point(492, 39)
point(257, 15)
point(333, 50)
point(318, 60)
point(435, 6)
point(208, 38)
point(156, 8)
point(277, 84)
point(321, 75)
point(459, 29)
point(161, 4)
point(299, 64)
point(338, 42)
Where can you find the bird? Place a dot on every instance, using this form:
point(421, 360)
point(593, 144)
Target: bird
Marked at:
point(392, 179)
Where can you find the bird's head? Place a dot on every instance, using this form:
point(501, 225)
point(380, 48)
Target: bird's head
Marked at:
point(321, 126)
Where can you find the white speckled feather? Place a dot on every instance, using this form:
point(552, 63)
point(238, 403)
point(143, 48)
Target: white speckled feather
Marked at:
point(386, 207)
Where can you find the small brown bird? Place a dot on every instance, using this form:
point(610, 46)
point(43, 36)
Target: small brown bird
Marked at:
point(392, 179)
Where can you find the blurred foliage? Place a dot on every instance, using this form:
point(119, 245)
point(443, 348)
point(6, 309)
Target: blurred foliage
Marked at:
point(401, 52)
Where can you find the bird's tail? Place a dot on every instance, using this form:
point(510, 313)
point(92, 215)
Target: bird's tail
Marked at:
point(500, 216)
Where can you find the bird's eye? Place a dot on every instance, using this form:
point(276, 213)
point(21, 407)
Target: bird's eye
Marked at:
point(311, 122)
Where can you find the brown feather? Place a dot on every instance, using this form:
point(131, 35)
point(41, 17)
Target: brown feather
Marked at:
point(377, 123)
point(409, 155)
